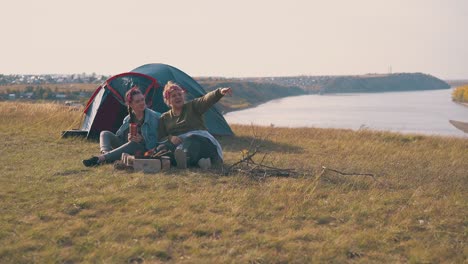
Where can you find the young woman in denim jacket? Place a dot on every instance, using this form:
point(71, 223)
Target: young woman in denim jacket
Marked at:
point(113, 145)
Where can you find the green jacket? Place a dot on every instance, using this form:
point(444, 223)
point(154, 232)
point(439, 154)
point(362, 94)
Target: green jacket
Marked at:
point(191, 118)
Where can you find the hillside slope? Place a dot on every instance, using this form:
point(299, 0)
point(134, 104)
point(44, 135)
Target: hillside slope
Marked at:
point(384, 83)
point(247, 94)
point(360, 83)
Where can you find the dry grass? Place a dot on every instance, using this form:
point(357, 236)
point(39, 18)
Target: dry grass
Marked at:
point(55, 210)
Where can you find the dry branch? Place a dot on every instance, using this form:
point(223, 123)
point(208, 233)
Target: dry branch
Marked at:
point(258, 170)
point(349, 173)
point(247, 165)
point(245, 159)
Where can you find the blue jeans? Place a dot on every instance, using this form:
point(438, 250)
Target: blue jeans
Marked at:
point(112, 146)
point(196, 147)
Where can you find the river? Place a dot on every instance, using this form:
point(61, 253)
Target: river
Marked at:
point(423, 112)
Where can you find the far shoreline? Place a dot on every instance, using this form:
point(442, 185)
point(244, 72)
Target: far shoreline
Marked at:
point(229, 110)
point(461, 103)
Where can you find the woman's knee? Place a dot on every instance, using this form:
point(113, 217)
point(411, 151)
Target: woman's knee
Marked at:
point(106, 133)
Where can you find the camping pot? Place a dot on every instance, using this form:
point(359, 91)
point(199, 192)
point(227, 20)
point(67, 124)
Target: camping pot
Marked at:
point(133, 129)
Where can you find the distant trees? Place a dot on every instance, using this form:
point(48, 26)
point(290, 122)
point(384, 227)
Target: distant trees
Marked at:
point(42, 93)
point(460, 94)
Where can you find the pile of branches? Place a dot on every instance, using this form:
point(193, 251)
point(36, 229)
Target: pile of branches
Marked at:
point(257, 169)
point(247, 166)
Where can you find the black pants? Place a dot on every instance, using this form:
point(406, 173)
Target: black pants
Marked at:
point(196, 147)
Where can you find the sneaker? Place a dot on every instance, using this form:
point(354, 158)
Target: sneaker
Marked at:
point(181, 158)
point(204, 163)
point(93, 161)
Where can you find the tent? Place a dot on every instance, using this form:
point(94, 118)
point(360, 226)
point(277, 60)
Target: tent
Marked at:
point(106, 108)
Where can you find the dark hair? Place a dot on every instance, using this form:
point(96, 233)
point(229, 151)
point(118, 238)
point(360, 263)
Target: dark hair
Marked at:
point(129, 98)
point(130, 93)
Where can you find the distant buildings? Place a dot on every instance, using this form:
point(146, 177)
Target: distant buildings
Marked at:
point(51, 78)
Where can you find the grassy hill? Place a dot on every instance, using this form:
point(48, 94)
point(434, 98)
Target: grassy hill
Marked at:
point(384, 83)
point(360, 83)
point(55, 210)
point(248, 94)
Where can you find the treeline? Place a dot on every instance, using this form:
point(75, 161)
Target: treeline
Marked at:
point(39, 92)
point(460, 94)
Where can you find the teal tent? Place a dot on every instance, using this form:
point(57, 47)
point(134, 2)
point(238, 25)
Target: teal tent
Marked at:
point(106, 108)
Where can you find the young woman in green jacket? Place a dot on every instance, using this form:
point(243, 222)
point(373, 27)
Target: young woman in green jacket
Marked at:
point(183, 129)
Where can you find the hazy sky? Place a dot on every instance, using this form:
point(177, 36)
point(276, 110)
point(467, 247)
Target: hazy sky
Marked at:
point(236, 38)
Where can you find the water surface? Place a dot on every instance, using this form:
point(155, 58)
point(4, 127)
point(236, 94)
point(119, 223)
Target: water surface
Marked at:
point(425, 112)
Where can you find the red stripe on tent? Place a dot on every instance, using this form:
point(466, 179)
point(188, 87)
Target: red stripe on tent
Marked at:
point(130, 73)
point(153, 82)
point(114, 91)
point(154, 85)
point(92, 98)
point(151, 86)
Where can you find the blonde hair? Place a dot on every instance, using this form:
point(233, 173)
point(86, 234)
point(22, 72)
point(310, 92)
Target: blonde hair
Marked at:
point(168, 88)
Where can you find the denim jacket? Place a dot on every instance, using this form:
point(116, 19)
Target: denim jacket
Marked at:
point(149, 129)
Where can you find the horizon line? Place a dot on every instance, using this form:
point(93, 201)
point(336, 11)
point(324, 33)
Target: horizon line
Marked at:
point(249, 77)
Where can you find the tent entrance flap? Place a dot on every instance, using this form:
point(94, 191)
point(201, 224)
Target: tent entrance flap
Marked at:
point(108, 117)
